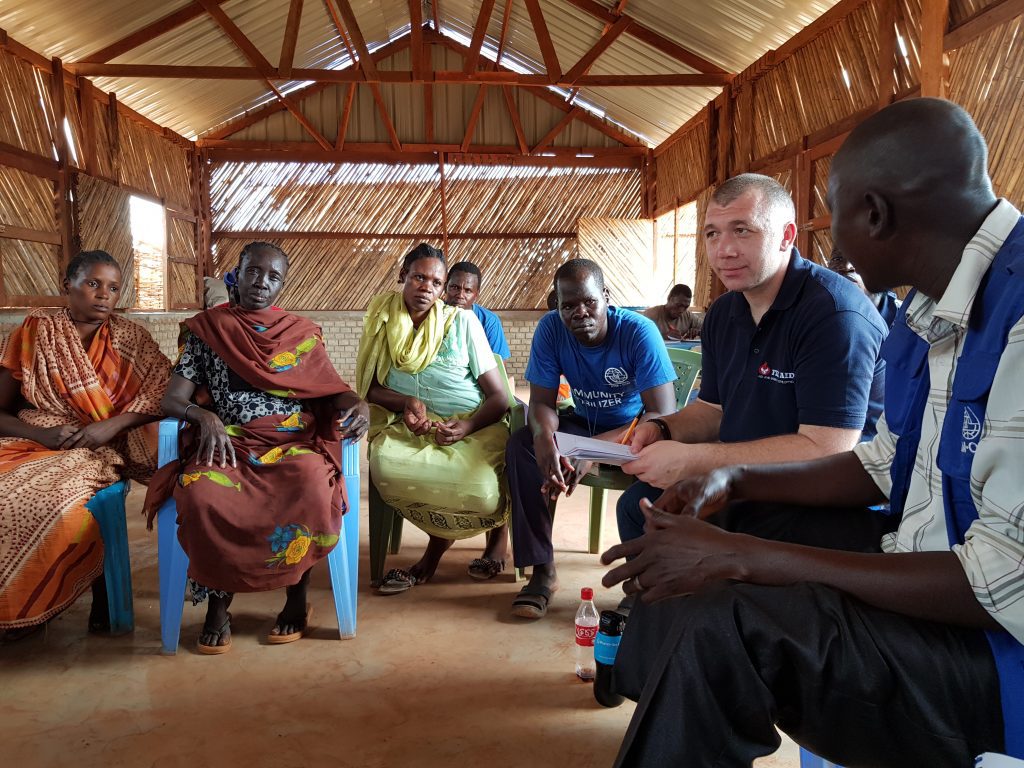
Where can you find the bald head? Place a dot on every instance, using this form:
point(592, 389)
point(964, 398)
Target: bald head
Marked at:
point(908, 189)
point(918, 147)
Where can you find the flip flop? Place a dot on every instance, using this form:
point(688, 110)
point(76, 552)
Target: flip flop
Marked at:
point(292, 636)
point(532, 602)
point(396, 580)
point(216, 650)
point(484, 568)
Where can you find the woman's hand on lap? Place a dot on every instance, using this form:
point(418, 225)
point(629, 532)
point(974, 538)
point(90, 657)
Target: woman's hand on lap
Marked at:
point(452, 430)
point(415, 416)
point(92, 436)
point(55, 437)
point(214, 442)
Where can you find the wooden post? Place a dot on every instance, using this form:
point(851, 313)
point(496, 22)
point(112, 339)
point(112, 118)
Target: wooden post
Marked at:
point(934, 64)
point(444, 204)
point(63, 184)
point(886, 51)
point(85, 108)
point(802, 184)
point(115, 138)
point(206, 216)
point(724, 136)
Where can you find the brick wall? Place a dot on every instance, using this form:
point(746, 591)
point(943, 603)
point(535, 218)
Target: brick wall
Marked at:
point(341, 334)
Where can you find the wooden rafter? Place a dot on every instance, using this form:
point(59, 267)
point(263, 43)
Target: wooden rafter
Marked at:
point(981, 22)
point(517, 123)
point(481, 93)
point(416, 36)
point(149, 32)
point(934, 65)
point(401, 77)
point(649, 36)
point(610, 35)
point(560, 126)
point(547, 48)
point(258, 60)
point(273, 107)
point(559, 156)
point(365, 60)
point(479, 31)
point(346, 113)
point(617, 11)
point(474, 115)
point(291, 36)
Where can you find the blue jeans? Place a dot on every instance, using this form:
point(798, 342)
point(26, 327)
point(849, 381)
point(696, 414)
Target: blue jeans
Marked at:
point(627, 511)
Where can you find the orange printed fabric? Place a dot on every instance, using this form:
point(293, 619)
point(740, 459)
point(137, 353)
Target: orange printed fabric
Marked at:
point(50, 548)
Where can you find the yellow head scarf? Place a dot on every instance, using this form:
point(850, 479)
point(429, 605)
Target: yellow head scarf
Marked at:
point(391, 341)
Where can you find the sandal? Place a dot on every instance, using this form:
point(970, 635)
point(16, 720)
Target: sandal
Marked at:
point(484, 568)
point(291, 637)
point(532, 602)
point(396, 580)
point(216, 650)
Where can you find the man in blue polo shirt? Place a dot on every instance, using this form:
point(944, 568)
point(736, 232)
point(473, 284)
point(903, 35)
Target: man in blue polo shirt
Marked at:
point(617, 367)
point(790, 364)
point(462, 290)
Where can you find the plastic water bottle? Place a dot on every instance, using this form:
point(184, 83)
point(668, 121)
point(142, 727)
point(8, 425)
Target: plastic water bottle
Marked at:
point(606, 646)
point(586, 630)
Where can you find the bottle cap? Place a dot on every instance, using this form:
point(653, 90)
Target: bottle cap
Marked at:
point(612, 623)
point(586, 593)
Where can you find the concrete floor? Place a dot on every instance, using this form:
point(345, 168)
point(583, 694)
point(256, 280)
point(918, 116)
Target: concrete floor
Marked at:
point(441, 675)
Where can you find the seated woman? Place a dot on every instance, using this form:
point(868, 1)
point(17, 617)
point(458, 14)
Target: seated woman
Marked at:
point(259, 489)
point(76, 387)
point(437, 440)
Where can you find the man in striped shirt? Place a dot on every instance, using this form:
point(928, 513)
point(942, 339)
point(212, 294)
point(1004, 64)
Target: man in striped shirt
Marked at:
point(912, 654)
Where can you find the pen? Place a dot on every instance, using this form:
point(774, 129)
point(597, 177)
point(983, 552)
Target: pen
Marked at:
point(632, 426)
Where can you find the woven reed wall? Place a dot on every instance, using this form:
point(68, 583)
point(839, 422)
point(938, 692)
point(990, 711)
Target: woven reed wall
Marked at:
point(625, 250)
point(104, 223)
point(985, 77)
point(682, 171)
point(518, 224)
point(26, 200)
point(153, 164)
point(23, 122)
point(961, 10)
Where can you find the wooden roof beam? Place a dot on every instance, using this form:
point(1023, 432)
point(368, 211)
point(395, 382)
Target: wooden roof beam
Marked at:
point(365, 60)
point(620, 8)
point(479, 31)
point(547, 48)
point(649, 36)
point(517, 123)
point(291, 36)
point(560, 126)
point(346, 113)
point(149, 32)
point(981, 22)
point(258, 60)
point(609, 36)
point(416, 36)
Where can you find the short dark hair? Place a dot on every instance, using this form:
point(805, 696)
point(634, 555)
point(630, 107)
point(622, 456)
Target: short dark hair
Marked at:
point(260, 245)
point(86, 259)
point(679, 289)
point(422, 251)
point(468, 267)
point(580, 269)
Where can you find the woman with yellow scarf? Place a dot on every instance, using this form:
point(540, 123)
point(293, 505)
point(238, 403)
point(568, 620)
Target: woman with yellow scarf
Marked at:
point(437, 439)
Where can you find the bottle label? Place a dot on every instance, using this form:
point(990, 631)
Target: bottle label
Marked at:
point(585, 635)
point(605, 648)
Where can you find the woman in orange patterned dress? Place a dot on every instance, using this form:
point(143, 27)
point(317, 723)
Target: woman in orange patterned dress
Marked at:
point(77, 387)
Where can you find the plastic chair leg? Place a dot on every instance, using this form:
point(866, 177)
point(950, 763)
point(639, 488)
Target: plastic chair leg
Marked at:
point(173, 567)
point(597, 502)
point(107, 507)
point(381, 520)
point(396, 533)
point(343, 561)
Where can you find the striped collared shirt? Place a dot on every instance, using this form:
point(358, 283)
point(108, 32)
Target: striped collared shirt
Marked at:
point(992, 554)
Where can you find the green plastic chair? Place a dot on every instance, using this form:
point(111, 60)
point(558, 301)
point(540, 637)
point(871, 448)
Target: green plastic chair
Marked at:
point(386, 523)
point(609, 478)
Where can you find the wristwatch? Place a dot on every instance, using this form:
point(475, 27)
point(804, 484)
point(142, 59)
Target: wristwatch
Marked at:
point(666, 433)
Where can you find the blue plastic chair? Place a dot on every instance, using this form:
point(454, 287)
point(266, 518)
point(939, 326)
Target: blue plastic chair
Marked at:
point(343, 560)
point(107, 507)
point(809, 760)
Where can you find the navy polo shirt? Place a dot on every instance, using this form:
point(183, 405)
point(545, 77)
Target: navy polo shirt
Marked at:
point(813, 359)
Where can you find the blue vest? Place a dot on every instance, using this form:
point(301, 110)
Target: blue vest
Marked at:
point(998, 306)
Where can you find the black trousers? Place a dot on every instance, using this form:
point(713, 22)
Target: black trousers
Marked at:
point(531, 520)
point(716, 672)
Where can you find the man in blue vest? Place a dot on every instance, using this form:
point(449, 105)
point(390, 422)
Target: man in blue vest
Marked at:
point(907, 656)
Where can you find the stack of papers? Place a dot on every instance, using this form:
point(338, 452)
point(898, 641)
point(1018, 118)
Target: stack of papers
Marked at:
point(589, 449)
point(992, 760)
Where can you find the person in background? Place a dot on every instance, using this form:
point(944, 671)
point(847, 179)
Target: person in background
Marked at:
point(674, 319)
point(885, 302)
point(462, 290)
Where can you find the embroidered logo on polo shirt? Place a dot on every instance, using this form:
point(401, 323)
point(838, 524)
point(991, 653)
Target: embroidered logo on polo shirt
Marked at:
point(765, 371)
point(971, 431)
point(616, 377)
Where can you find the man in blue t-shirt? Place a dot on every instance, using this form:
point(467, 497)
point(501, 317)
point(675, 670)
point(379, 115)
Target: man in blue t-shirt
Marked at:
point(618, 369)
point(790, 364)
point(462, 290)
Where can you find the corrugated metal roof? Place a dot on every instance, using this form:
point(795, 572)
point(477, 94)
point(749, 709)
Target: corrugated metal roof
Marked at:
point(730, 33)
